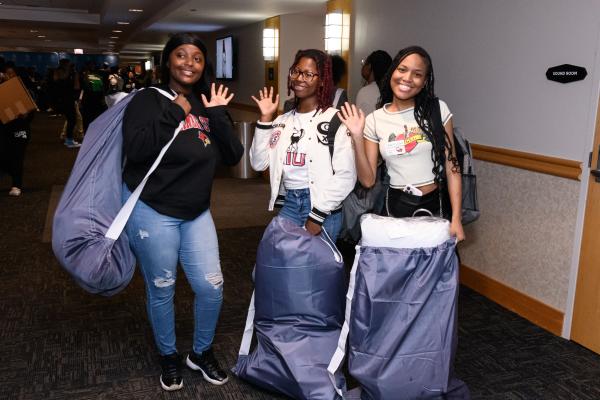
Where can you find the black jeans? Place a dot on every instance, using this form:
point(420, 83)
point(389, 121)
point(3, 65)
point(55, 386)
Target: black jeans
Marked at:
point(400, 204)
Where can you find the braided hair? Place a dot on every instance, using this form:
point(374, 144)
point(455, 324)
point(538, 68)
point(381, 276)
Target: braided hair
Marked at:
point(325, 89)
point(425, 100)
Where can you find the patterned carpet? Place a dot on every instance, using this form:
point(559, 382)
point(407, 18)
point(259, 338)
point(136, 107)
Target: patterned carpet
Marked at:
point(58, 342)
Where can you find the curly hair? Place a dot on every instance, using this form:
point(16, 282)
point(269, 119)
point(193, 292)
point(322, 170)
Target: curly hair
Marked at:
point(425, 100)
point(325, 89)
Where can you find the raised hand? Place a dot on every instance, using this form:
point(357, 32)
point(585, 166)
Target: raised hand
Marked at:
point(217, 97)
point(354, 119)
point(266, 104)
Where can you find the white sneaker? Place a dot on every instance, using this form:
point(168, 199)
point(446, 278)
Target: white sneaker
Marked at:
point(14, 191)
point(72, 144)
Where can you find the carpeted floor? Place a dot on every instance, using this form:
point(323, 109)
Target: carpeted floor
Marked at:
point(58, 342)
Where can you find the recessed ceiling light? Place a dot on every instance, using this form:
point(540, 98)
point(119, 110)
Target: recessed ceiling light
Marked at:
point(122, 23)
point(117, 31)
point(114, 37)
point(34, 31)
point(41, 36)
point(138, 10)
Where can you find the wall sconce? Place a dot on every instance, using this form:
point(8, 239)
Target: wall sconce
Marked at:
point(270, 44)
point(336, 32)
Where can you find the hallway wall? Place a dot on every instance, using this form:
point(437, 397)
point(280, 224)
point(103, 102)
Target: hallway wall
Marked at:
point(490, 60)
point(297, 31)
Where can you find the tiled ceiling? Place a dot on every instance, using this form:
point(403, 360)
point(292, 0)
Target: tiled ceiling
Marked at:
point(63, 25)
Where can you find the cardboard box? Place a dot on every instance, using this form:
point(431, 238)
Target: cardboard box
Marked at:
point(14, 100)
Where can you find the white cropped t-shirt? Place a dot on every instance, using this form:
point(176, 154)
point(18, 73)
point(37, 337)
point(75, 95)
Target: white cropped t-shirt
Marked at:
point(403, 145)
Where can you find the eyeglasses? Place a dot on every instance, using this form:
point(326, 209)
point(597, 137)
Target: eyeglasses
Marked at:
point(306, 75)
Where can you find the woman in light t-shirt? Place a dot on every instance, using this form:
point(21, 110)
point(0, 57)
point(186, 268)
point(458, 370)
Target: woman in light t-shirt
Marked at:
point(421, 161)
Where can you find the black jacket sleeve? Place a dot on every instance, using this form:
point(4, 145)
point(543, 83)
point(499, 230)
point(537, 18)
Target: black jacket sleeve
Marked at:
point(148, 124)
point(222, 132)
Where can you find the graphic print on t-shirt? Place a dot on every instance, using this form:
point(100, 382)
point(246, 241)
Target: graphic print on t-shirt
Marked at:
point(405, 142)
point(293, 156)
point(200, 123)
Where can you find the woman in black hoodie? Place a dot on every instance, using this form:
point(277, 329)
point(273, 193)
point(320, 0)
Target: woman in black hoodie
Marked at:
point(171, 222)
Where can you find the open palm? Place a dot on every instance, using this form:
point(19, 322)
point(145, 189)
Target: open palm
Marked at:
point(354, 119)
point(265, 101)
point(218, 97)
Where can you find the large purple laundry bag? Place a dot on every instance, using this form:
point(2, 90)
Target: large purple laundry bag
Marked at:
point(298, 313)
point(401, 315)
point(99, 259)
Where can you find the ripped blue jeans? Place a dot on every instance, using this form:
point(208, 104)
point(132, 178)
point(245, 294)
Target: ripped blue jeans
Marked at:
point(159, 242)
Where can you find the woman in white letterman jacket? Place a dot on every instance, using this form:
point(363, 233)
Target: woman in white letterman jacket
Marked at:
point(306, 180)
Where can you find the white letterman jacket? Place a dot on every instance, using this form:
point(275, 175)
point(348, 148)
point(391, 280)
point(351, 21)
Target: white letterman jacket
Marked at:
point(327, 188)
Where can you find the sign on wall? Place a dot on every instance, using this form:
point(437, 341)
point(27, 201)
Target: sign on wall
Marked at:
point(566, 73)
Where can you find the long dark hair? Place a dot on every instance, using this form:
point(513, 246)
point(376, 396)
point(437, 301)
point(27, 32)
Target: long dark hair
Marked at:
point(425, 100)
point(380, 61)
point(323, 61)
point(200, 87)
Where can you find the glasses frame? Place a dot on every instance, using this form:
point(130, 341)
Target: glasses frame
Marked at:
point(295, 73)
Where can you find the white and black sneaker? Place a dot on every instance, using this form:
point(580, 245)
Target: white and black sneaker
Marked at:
point(170, 378)
point(208, 365)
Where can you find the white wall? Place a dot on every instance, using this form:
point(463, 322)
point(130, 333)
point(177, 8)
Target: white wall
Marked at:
point(490, 59)
point(297, 31)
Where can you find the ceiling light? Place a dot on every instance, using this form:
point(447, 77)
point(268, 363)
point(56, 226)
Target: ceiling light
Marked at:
point(117, 31)
point(122, 23)
point(138, 10)
point(41, 36)
point(34, 31)
point(114, 37)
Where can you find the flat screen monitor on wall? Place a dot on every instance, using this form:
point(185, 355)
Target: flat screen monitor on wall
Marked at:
point(224, 67)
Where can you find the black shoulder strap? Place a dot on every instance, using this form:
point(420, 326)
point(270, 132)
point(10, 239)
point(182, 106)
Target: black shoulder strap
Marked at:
point(334, 125)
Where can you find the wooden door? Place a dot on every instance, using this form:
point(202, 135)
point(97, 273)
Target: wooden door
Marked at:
point(585, 328)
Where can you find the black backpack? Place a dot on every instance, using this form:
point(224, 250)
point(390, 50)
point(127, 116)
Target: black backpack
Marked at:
point(462, 148)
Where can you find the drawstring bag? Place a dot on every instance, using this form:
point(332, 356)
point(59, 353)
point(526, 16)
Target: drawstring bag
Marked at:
point(87, 232)
point(401, 311)
point(297, 310)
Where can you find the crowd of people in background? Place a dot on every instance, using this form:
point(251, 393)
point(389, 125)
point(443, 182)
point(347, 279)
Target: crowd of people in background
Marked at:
point(77, 95)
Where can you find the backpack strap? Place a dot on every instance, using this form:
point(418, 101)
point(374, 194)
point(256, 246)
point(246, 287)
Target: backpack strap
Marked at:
point(334, 125)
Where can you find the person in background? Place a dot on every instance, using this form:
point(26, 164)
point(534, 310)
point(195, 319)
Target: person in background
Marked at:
point(374, 68)
point(66, 88)
point(15, 135)
point(171, 222)
point(92, 102)
point(338, 70)
point(306, 180)
point(421, 160)
point(114, 94)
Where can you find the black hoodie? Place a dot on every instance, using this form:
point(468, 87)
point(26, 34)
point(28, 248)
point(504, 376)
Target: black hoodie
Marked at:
point(181, 185)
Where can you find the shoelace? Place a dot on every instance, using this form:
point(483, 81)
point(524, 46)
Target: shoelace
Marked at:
point(171, 370)
point(211, 363)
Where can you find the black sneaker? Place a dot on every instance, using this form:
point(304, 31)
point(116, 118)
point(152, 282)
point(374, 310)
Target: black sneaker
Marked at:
point(208, 365)
point(170, 378)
